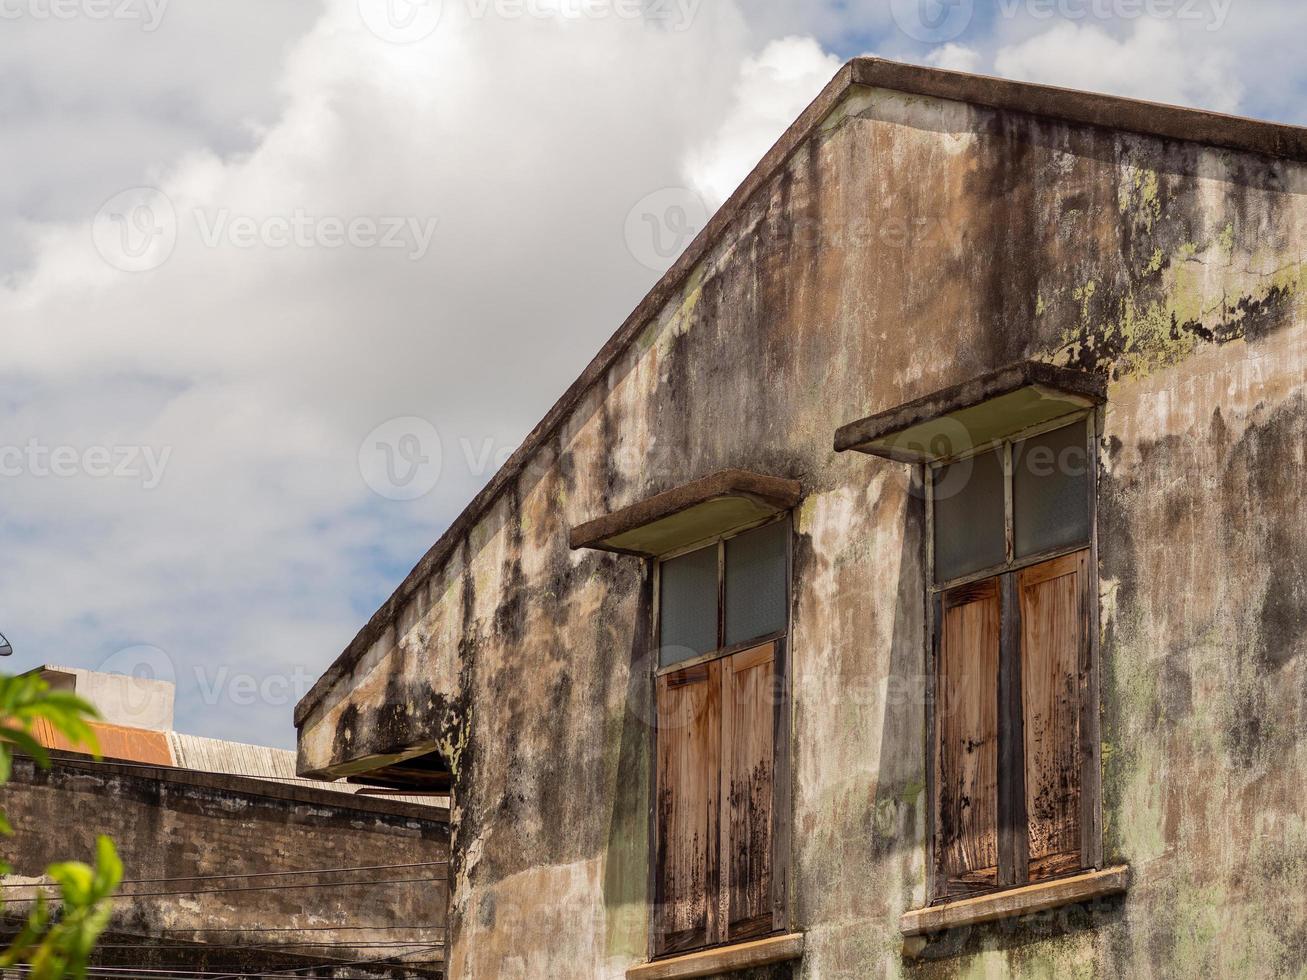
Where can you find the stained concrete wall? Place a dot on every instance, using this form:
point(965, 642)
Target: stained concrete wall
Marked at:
point(200, 835)
point(907, 244)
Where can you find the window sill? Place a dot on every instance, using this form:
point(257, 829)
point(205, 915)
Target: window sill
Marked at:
point(1016, 901)
point(706, 963)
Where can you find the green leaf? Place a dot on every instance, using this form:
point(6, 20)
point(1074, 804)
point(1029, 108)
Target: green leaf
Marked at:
point(109, 867)
point(27, 744)
point(56, 950)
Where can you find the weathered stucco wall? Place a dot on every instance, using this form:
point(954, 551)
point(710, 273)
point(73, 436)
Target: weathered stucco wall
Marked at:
point(909, 244)
point(199, 835)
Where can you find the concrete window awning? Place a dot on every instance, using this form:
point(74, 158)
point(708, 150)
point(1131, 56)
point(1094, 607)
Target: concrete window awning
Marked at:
point(974, 414)
point(697, 512)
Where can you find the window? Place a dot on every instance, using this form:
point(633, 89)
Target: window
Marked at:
point(1014, 747)
point(722, 742)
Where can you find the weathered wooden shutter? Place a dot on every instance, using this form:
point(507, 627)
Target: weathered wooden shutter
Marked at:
point(688, 807)
point(1054, 634)
point(966, 726)
point(716, 784)
point(749, 699)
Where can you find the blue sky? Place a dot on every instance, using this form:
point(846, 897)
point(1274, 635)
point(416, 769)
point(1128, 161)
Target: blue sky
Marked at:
point(284, 281)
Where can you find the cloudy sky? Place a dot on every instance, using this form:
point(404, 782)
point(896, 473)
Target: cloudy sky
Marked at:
point(283, 281)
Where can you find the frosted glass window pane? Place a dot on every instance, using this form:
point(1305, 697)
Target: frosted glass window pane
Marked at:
point(688, 595)
point(1050, 490)
point(969, 524)
point(756, 599)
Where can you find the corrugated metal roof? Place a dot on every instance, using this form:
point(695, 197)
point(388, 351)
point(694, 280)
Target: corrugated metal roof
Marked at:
point(238, 759)
point(233, 758)
point(115, 742)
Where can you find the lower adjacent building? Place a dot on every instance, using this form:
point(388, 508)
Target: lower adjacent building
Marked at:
point(233, 866)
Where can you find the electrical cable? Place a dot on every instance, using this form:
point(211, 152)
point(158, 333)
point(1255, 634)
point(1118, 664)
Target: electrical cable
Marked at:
point(252, 888)
point(256, 874)
point(124, 972)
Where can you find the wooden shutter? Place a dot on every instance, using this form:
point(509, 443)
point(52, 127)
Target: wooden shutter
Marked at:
point(688, 828)
point(966, 725)
point(716, 787)
point(749, 699)
point(1054, 638)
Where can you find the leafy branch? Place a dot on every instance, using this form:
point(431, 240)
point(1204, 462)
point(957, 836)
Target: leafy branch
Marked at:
point(55, 944)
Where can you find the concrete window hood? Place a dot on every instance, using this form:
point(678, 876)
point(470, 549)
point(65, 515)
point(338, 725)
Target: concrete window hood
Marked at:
point(691, 514)
point(967, 417)
point(724, 959)
point(1015, 902)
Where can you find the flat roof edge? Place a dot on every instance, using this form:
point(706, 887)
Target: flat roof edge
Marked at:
point(270, 787)
point(1114, 112)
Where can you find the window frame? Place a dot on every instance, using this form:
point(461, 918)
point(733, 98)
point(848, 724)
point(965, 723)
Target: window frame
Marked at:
point(782, 917)
point(1006, 574)
point(722, 650)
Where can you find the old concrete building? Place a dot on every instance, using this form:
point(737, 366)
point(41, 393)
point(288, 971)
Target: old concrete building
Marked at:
point(913, 586)
point(231, 863)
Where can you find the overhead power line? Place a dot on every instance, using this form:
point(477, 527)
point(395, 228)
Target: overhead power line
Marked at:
point(340, 928)
point(252, 888)
point(255, 874)
point(203, 947)
point(124, 972)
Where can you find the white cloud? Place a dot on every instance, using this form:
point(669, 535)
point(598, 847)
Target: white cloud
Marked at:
point(1156, 60)
point(955, 57)
point(89, 104)
point(261, 368)
point(772, 90)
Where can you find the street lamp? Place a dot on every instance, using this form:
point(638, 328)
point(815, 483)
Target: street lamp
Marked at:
point(5, 649)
